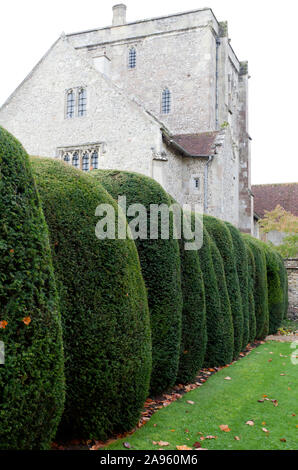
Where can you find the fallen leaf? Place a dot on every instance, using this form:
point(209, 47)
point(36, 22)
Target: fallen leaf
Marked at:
point(190, 402)
point(275, 402)
point(26, 320)
point(183, 448)
point(261, 401)
point(265, 430)
point(202, 438)
point(250, 423)
point(186, 430)
point(211, 437)
point(197, 445)
point(163, 443)
point(126, 445)
point(283, 440)
point(225, 428)
point(228, 378)
point(172, 430)
point(237, 438)
point(263, 423)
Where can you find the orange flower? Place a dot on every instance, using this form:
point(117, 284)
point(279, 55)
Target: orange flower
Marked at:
point(26, 320)
point(3, 324)
point(11, 251)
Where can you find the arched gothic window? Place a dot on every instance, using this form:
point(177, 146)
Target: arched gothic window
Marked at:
point(70, 104)
point(166, 101)
point(94, 160)
point(85, 162)
point(76, 160)
point(132, 58)
point(82, 103)
point(66, 158)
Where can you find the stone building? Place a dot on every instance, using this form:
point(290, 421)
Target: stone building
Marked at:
point(166, 97)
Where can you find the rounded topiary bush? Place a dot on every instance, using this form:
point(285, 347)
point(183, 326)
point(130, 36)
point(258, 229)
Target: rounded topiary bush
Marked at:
point(251, 300)
point(105, 315)
point(276, 302)
point(242, 271)
point(160, 263)
point(31, 379)
point(260, 287)
point(220, 336)
point(223, 240)
point(194, 334)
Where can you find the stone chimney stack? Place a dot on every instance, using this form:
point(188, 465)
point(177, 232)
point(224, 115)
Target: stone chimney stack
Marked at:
point(119, 14)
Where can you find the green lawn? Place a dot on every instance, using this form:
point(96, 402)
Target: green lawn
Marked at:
point(233, 403)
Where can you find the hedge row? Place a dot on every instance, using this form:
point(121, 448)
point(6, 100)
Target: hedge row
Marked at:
point(137, 316)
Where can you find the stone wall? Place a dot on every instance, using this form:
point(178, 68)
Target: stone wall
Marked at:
point(292, 270)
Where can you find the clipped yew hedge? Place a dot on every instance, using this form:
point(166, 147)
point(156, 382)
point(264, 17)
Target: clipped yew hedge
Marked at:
point(260, 287)
point(251, 299)
point(106, 328)
point(32, 378)
point(223, 240)
point(194, 333)
point(220, 336)
point(276, 301)
point(160, 263)
point(284, 283)
point(242, 271)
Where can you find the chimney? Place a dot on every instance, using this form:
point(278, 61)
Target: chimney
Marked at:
point(119, 14)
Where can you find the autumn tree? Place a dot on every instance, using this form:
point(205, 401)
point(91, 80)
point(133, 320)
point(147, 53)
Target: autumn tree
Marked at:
point(283, 221)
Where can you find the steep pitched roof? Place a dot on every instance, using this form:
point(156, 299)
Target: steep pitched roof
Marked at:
point(202, 144)
point(268, 196)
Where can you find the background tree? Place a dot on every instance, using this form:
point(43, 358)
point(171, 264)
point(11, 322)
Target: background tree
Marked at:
point(282, 221)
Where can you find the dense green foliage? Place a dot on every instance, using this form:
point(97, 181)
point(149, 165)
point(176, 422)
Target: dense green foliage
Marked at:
point(223, 240)
point(105, 317)
point(242, 271)
point(220, 338)
point(260, 287)
point(251, 299)
point(276, 302)
point(160, 263)
point(194, 333)
point(32, 379)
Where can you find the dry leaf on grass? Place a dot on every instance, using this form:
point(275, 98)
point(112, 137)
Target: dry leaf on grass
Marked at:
point(237, 438)
point(228, 378)
point(190, 402)
point(250, 423)
point(224, 427)
point(183, 448)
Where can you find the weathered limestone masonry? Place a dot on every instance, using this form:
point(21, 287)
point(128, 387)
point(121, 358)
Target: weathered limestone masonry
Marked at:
point(97, 99)
point(292, 270)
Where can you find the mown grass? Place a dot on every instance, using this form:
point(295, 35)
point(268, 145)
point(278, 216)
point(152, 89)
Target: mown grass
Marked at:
point(267, 372)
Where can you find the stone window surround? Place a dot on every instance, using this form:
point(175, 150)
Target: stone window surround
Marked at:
point(76, 91)
point(169, 99)
point(99, 147)
point(132, 49)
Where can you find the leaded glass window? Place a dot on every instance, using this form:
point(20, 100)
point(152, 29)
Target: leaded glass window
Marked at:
point(70, 104)
point(85, 162)
point(132, 58)
point(66, 158)
point(82, 104)
point(76, 160)
point(166, 101)
point(94, 160)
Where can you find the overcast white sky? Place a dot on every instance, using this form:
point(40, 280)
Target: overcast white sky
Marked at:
point(262, 32)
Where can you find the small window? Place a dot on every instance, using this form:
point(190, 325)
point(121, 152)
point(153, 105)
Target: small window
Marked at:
point(70, 105)
point(197, 183)
point(76, 160)
point(82, 105)
point(94, 161)
point(85, 162)
point(166, 101)
point(132, 58)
